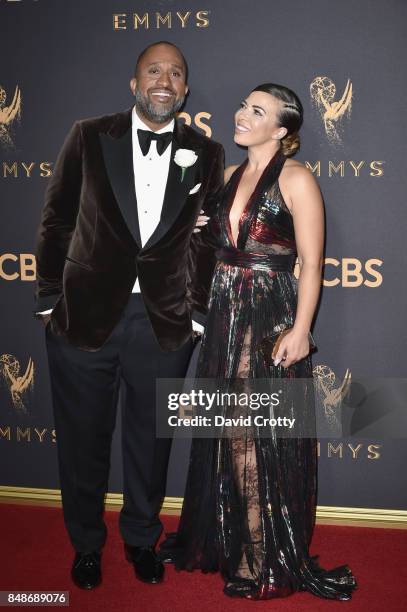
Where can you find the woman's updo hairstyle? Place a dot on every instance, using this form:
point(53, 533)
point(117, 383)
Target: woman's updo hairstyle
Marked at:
point(290, 117)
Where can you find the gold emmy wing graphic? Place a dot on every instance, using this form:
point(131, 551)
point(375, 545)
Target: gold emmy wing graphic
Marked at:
point(8, 114)
point(323, 92)
point(18, 385)
point(331, 394)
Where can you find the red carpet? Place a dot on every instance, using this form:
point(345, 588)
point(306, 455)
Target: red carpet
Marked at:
point(36, 555)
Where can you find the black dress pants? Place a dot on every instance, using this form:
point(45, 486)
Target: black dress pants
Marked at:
point(85, 388)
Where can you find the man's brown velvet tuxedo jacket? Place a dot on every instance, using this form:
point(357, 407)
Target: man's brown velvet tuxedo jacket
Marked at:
point(89, 252)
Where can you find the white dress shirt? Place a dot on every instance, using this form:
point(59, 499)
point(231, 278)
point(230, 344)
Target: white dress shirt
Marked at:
point(150, 180)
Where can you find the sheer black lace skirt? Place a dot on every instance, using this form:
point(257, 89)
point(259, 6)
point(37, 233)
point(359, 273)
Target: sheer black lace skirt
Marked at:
point(250, 501)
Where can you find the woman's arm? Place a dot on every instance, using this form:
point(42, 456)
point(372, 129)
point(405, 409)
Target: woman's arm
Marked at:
point(305, 201)
point(203, 219)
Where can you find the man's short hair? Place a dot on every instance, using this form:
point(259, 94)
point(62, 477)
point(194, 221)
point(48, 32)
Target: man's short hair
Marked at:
point(162, 42)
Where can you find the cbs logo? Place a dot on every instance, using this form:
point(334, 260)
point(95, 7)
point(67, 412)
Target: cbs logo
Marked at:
point(350, 272)
point(346, 272)
point(198, 121)
point(13, 267)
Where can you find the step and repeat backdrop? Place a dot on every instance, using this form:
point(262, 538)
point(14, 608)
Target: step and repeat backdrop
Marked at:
point(65, 60)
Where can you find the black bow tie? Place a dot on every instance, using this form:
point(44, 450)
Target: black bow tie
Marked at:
point(146, 136)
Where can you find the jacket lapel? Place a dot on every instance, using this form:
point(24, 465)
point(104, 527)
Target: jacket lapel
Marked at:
point(176, 192)
point(118, 157)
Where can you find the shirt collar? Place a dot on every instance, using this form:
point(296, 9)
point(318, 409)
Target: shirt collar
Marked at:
point(138, 124)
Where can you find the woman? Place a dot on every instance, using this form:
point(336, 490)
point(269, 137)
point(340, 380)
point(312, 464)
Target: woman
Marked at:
point(249, 506)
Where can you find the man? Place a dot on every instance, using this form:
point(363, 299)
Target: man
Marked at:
point(123, 272)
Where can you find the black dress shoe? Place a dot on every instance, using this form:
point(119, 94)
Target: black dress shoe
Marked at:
point(169, 550)
point(147, 565)
point(86, 572)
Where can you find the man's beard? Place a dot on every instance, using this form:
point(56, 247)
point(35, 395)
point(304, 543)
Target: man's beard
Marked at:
point(157, 115)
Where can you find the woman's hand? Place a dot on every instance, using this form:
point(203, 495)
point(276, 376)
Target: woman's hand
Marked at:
point(45, 318)
point(293, 347)
point(201, 222)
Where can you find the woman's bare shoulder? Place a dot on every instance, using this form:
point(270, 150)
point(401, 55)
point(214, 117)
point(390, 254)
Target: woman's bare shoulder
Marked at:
point(295, 171)
point(294, 166)
point(228, 172)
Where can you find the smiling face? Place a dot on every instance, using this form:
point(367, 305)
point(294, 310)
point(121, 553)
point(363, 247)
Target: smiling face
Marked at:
point(256, 122)
point(159, 85)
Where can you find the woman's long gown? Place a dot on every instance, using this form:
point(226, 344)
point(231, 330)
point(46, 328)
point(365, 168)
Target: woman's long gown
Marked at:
point(249, 506)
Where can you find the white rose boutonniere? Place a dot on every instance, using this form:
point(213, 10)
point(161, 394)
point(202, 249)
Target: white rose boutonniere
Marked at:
point(185, 158)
